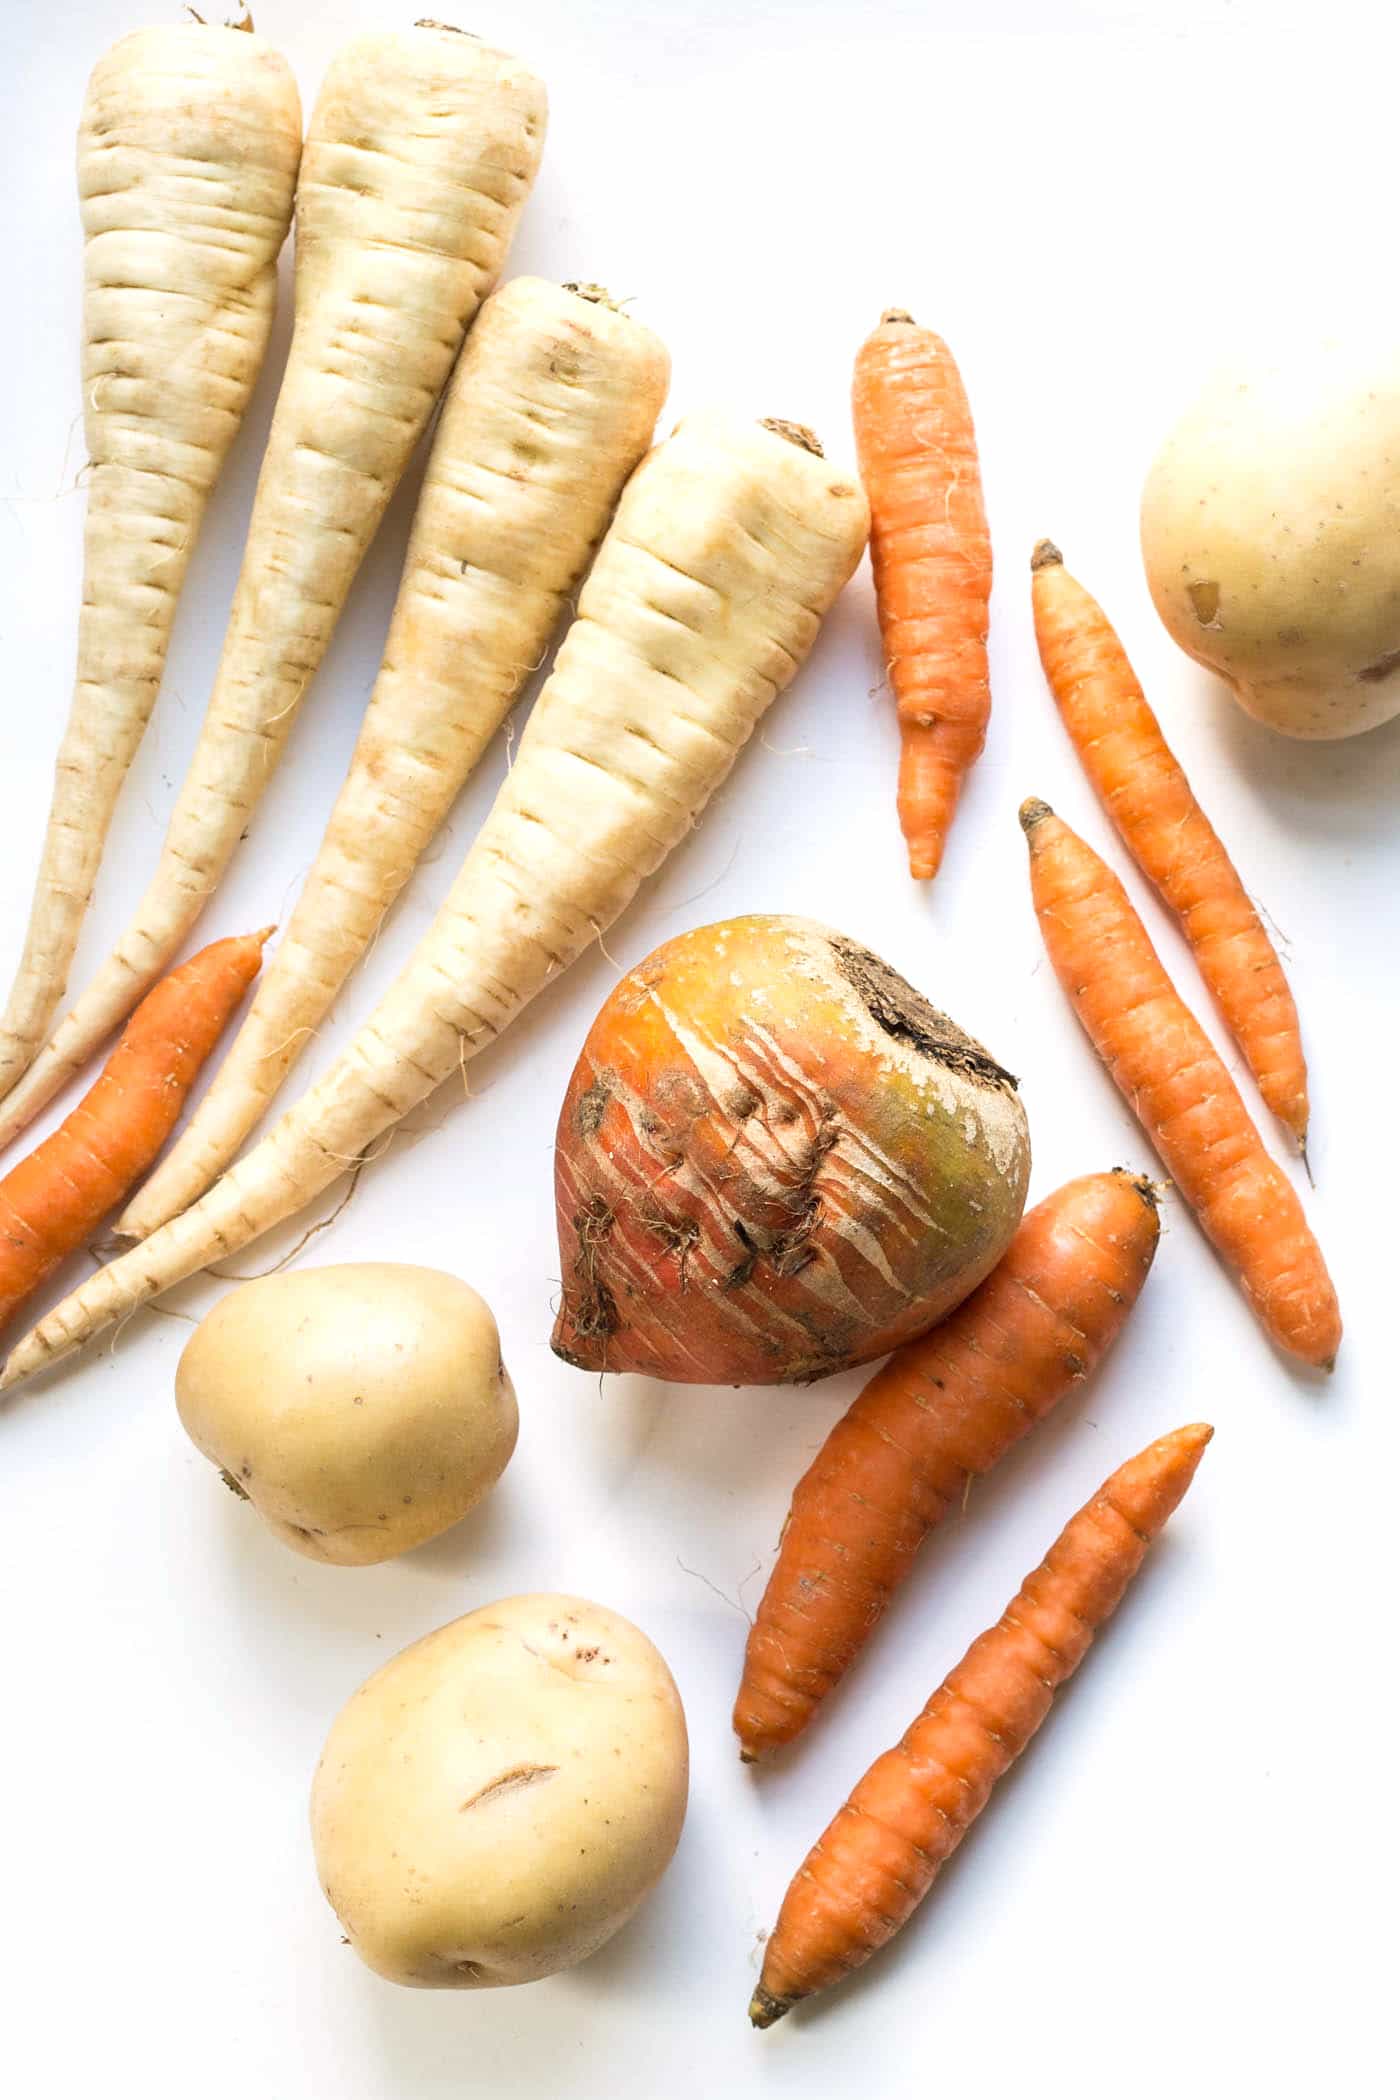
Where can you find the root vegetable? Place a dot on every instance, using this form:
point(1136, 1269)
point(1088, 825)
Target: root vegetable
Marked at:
point(551, 406)
point(495, 1802)
point(774, 1160)
point(420, 152)
point(1149, 798)
point(942, 1412)
point(729, 545)
point(53, 1199)
point(1168, 1071)
point(187, 158)
point(359, 1409)
point(1268, 529)
point(932, 557)
point(878, 1859)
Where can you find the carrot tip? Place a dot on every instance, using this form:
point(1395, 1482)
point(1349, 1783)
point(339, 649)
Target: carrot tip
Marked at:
point(764, 2008)
point(1032, 812)
point(1045, 555)
point(896, 314)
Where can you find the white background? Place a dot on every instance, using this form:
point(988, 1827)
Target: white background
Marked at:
point(1186, 1885)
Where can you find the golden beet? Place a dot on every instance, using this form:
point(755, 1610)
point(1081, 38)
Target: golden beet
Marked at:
point(775, 1159)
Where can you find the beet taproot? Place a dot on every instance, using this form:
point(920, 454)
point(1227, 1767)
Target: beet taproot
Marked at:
point(775, 1159)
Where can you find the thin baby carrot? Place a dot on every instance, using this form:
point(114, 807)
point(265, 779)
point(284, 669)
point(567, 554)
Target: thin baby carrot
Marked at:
point(932, 557)
point(1142, 786)
point(943, 1409)
point(877, 1860)
point(52, 1200)
point(1166, 1068)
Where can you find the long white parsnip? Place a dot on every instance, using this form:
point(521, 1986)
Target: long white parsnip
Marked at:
point(729, 545)
point(420, 153)
point(187, 160)
point(550, 408)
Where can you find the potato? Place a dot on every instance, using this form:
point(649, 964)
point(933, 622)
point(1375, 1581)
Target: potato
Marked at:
point(360, 1409)
point(1268, 535)
point(775, 1159)
point(496, 1801)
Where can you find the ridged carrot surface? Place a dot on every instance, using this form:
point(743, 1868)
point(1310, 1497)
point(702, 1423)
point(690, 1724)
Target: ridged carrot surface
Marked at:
point(53, 1199)
point(932, 558)
point(1167, 1069)
point(1142, 786)
point(942, 1410)
point(877, 1860)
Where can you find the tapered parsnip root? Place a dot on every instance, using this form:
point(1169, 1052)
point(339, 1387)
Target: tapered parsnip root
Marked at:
point(420, 153)
point(728, 547)
point(187, 159)
point(550, 408)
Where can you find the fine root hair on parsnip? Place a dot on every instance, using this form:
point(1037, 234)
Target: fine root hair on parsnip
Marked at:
point(728, 547)
point(187, 160)
point(420, 153)
point(550, 408)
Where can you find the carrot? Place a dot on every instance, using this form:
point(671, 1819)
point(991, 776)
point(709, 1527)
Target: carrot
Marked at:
point(877, 1860)
point(731, 541)
point(942, 1411)
point(932, 558)
point(419, 155)
point(550, 408)
point(1168, 1071)
point(52, 1200)
point(187, 157)
point(1149, 798)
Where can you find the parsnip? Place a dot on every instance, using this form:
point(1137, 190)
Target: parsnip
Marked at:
point(551, 406)
point(187, 159)
point(420, 152)
point(729, 544)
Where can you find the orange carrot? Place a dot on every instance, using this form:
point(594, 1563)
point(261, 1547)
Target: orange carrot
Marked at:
point(1166, 1068)
point(932, 558)
point(876, 1861)
point(943, 1410)
point(53, 1199)
point(1149, 798)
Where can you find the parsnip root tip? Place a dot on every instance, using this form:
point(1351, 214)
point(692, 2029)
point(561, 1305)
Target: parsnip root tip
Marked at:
point(795, 433)
point(765, 2009)
point(1032, 812)
point(1045, 555)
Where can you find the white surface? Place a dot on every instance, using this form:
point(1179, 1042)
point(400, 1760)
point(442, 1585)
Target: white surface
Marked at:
point(1175, 1890)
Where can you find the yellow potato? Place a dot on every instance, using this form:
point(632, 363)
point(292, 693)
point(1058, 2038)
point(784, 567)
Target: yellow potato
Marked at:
point(496, 1801)
point(1269, 536)
point(361, 1409)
